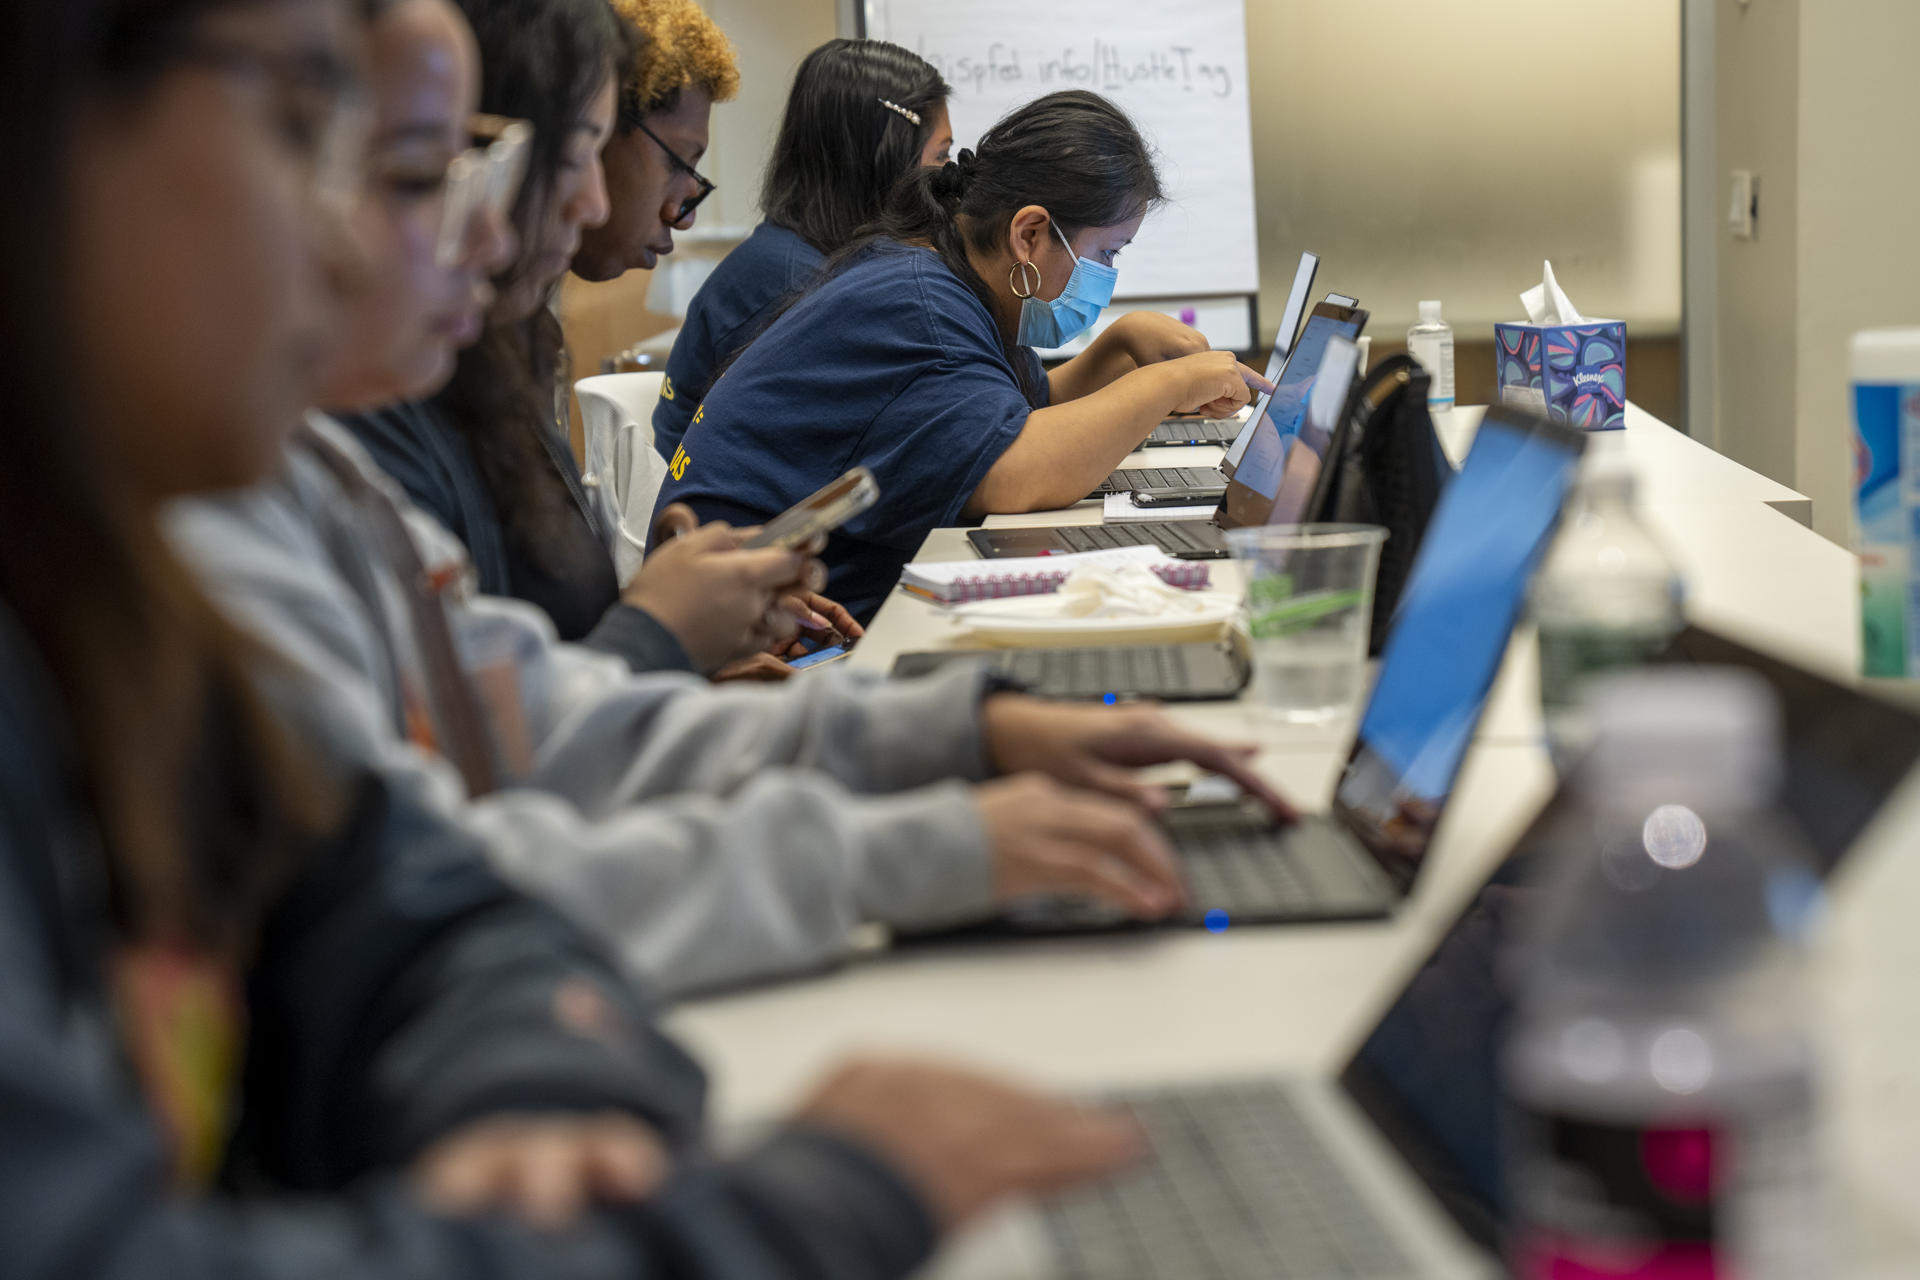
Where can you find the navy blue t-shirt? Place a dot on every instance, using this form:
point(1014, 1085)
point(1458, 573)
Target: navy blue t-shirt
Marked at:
point(894, 365)
point(766, 269)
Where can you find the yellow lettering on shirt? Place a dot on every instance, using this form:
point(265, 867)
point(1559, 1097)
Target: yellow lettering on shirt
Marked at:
point(184, 1022)
point(666, 387)
point(678, 467)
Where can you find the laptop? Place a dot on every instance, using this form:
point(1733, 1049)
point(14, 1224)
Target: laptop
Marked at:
point(1180, 672)
point(1396, 1167)
point(1185, 431)
point(1252, 499)
point(1159, 479)
point(1360, 860)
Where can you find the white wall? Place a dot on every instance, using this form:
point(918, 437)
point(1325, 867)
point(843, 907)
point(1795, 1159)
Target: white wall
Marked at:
point(771, 37)
point(1816, 96)
point(1859, 213)
point(1441, 150)
point(1423, 149)
point(1757, 108)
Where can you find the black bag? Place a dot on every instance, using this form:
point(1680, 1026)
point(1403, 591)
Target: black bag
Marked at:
point(1386, 468)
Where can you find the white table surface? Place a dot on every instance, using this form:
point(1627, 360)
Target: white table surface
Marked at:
point(1189, 1005)
point(1751, 571)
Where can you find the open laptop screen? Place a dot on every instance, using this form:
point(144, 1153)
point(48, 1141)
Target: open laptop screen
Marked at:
point(1290, 318)
point(1283, 342)
point(1288, 493)
point(1276, 421)
point(1450, 631)
point(1428, 1072)
point(1276, 418)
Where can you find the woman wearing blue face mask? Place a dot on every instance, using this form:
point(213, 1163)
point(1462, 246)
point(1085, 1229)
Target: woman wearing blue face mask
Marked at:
point(913, 356)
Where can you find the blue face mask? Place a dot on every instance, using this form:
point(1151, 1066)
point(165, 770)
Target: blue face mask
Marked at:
point(1053, 324)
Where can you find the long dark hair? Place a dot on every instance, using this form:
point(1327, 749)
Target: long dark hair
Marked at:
point(199, 798)
point(541, 61)
point(1073, 153)
point(840, 150)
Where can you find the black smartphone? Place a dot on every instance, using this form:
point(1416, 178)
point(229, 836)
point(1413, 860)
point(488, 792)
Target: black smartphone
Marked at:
point(1175, 497)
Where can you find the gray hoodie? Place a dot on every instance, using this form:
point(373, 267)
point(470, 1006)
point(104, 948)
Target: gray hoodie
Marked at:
point(399, 990)
point(711, 835)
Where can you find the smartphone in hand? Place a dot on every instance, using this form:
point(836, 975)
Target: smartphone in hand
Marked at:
point(820, 656)
point(821, 513)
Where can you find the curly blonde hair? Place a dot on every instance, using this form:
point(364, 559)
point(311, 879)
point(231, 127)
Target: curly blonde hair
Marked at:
point(679, 48)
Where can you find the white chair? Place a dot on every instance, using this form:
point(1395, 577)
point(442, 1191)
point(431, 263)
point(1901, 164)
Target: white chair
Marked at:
point(616, 415)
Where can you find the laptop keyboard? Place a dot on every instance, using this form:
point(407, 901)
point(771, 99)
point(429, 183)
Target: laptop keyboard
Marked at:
point(1229, 863)
point(1145, 670)
point(1133, 478)
point(1245, 872)
point(1198, 431)
point(1239, 1187)
point(1175, 535)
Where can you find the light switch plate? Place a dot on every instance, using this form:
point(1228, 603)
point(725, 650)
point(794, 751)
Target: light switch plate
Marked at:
point(1743, 204)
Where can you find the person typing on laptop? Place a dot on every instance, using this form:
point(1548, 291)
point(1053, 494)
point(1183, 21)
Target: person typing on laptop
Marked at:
point(712, 836)
point(914, 356)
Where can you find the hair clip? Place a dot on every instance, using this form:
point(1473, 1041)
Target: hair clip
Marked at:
point(912, 117)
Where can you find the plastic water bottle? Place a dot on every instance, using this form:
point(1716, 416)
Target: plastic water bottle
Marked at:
point(1660, 1074)
point(1608, 597)
point(1431, 343)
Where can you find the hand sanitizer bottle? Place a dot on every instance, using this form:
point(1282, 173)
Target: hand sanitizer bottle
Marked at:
point(1431, 343)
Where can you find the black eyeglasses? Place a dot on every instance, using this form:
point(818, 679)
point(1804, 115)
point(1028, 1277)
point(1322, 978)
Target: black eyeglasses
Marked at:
point(679, 165)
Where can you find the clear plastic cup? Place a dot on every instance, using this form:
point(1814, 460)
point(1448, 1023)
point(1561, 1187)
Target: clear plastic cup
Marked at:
point(1309, 611)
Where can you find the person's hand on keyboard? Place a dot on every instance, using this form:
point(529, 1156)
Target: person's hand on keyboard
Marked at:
point(1099, 748)
point(965, 1140)
point(1046, 838)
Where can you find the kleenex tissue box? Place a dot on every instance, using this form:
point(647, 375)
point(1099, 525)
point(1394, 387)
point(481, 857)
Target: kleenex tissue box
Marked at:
point(1576, 373)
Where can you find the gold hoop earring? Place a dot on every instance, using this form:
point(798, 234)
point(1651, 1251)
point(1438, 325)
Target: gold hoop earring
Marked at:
point(1023, 273)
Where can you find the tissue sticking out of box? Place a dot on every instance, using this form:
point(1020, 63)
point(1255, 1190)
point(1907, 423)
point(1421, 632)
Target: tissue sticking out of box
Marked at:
point(1547, 302)
point(1561, 363)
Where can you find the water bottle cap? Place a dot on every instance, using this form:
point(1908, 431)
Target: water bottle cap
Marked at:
point(1710, 732)
point(1430, 312)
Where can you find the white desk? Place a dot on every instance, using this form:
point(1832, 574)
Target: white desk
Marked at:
point(1751, 571)
point(1085, 1013)
point(1674, 468)
point(1188, 1005)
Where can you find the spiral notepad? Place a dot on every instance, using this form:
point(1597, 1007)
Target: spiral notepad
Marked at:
point(965, 581)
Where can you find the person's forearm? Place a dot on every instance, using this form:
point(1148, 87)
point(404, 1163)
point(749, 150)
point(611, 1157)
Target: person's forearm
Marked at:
point(694, 893)
point(1065, 451)
point(1106, 359)
point(640, 640)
